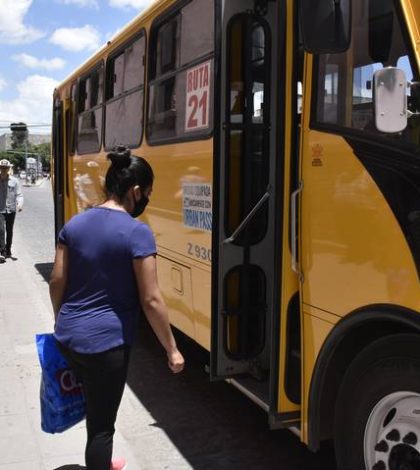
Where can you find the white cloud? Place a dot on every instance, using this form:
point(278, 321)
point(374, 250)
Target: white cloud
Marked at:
point(34, 63)
point(33, 103)
point(137, 4)
point(3, 83)
point(76, 39)
point(81, 3)
point(12, 28)
point(109, 35)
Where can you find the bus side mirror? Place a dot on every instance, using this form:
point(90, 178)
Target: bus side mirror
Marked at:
point(390, 100)
point(325, 25)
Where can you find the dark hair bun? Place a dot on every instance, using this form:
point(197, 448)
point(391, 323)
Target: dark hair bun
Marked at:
point(120, 157)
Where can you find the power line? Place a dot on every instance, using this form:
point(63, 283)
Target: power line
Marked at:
point(28, 125)
point(4, 121)
point(22, 153)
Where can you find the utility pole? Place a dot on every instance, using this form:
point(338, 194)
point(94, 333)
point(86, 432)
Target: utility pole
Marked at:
point(26, 158)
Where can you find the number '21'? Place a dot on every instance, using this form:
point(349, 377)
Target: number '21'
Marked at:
point(195, 104)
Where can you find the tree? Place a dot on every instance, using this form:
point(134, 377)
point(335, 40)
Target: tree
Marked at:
point(44, 151)
point(19, 134)
point(17, 160)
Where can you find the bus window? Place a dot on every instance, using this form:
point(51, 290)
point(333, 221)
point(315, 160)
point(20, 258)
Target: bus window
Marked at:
point(198, 21)
point(248, 146)
point(344, 96)
point(125, 92)
point(167, 47)
point(89, 129)
point(181, 88)
point(71, 137)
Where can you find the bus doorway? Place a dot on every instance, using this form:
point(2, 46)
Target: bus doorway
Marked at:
point(247, 185)
point(58, 170)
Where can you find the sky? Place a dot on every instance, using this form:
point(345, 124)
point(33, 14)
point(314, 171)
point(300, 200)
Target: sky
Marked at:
point(43, 41)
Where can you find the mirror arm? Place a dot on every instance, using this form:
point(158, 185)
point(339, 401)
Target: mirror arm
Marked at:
point(411, 114)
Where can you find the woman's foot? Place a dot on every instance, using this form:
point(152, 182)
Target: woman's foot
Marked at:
point(118, 464)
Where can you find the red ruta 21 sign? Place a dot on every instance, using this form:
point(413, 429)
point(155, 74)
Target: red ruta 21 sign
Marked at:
point(197, 97)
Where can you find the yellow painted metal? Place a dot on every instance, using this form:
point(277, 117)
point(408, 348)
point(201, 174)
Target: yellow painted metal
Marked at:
point(173, 165)
point(314, 332)
point(352, 242)
point(411, 9)
point(175, 284)
point(353, 252)
point(289, 282)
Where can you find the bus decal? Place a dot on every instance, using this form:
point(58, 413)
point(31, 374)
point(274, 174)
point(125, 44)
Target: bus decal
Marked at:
point(197, 97)
point(197, 205)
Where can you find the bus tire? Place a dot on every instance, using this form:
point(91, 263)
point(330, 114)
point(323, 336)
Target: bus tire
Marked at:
point(377, 412)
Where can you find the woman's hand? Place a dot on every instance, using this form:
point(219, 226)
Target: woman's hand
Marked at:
point(175, 361)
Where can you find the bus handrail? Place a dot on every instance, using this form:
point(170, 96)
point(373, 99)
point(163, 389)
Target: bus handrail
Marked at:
point(247, 219)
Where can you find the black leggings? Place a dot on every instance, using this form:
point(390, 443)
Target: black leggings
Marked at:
point(103, 376)
point(10, 220)
point(6, 232)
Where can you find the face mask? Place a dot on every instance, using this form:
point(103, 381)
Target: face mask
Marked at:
point(139, 206)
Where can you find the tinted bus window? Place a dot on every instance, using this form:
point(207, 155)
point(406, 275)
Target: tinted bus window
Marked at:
point(125, 85)
point(71, 132)
point(181, 87)
point(344, 95)
point(89, 128)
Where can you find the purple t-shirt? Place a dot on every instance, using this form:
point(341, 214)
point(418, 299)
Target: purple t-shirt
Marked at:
point(101, 305)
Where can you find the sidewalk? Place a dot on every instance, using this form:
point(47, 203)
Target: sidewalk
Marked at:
point(24, 311)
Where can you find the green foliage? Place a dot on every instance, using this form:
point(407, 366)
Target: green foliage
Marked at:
point(4, 154)
point(18, 136)
point(44, 151)
point(18, 161)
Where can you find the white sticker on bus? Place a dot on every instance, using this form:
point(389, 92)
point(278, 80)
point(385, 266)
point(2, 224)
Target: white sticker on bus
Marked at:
point(197, 205)
point(197, 97)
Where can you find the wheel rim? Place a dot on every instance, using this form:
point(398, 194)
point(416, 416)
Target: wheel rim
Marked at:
point(392, 433)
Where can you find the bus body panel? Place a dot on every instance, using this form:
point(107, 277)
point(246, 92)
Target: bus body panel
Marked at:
point(411, 10)
point(289, 283)
point(368, 265)
point(353, 252)
point(315, 331)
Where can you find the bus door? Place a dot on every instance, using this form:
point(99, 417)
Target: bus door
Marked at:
point(245, 278)
point(58, 169)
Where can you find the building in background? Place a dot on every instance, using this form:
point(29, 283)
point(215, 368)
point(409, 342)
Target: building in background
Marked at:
point(34, 139)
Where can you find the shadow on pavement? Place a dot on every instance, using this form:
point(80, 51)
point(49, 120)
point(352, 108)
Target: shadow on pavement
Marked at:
point(70, 467)
point(45, 270)
point(212, 424)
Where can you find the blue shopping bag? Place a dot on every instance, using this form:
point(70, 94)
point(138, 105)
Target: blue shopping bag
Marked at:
point(62, 399)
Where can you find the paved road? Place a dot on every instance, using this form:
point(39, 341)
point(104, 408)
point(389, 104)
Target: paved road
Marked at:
point(36, 224)
point(207, 425)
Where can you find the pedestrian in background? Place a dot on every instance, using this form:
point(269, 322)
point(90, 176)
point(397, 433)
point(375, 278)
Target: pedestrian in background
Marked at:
point(11, 200)
point(104, 271)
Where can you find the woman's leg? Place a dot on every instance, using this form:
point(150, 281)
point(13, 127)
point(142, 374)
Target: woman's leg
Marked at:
point(105, 386)
point(103, 377)
point(10, 220)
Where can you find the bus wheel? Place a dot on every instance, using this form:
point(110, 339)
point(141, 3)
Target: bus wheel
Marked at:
point(377, 415)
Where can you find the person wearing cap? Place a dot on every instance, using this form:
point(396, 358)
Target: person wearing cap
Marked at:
point(11, 200)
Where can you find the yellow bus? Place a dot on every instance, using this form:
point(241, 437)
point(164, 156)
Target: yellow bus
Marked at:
point(284, 136)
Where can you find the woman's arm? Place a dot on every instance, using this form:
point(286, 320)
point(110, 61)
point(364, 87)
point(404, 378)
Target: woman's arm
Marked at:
point(58, 278)
point(155, 309)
